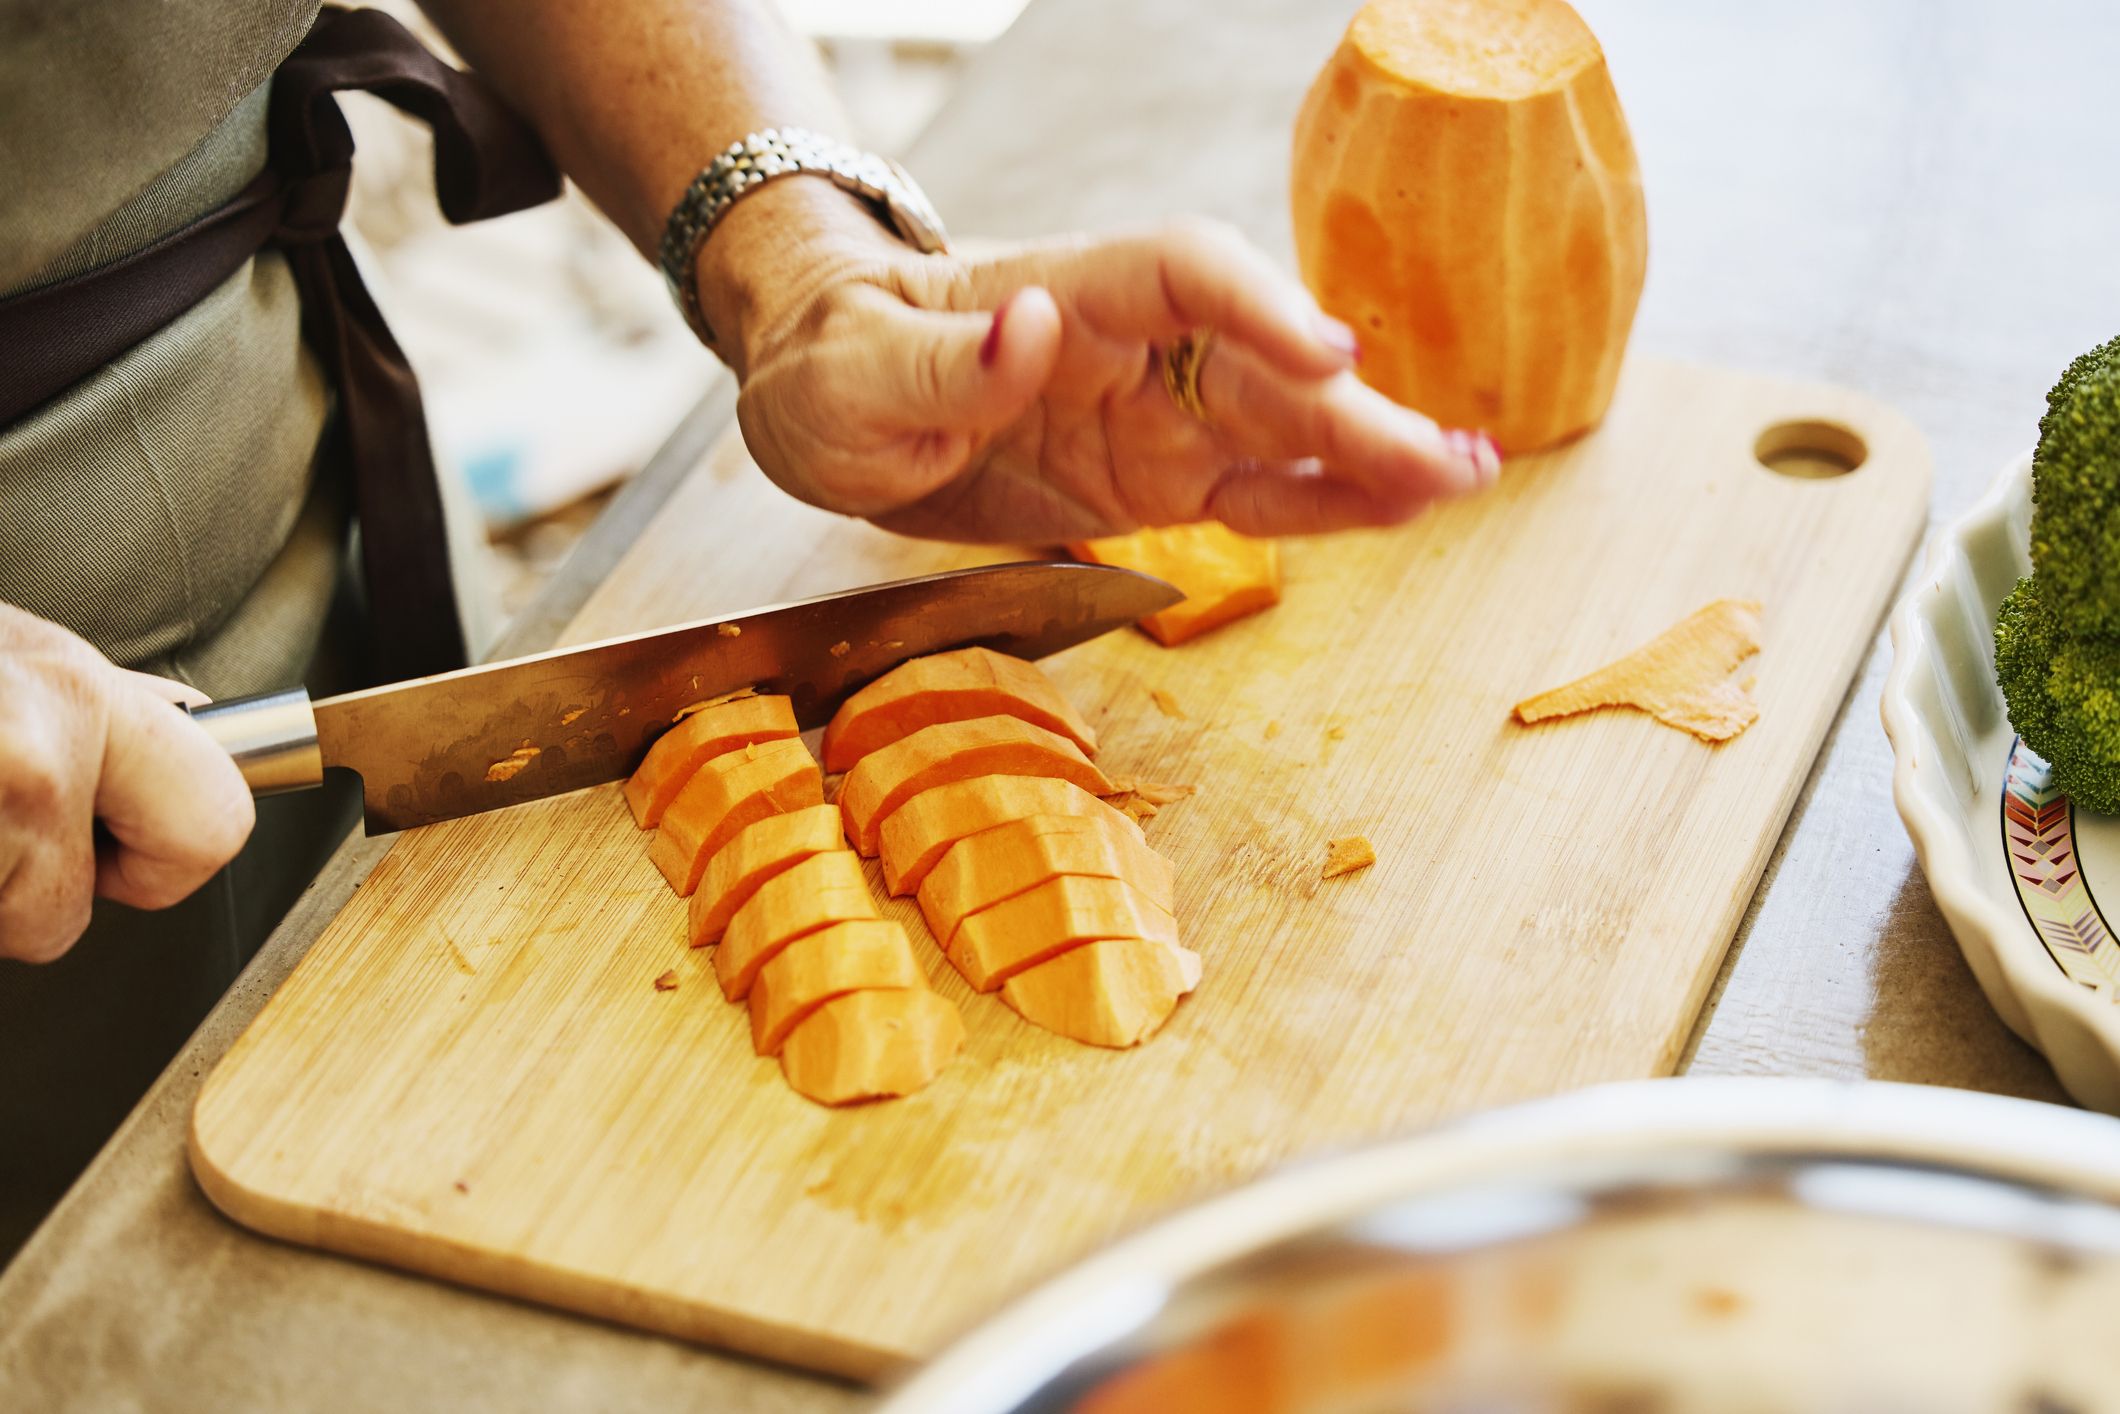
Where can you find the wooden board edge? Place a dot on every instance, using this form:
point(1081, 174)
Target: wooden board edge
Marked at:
point(461, 1264)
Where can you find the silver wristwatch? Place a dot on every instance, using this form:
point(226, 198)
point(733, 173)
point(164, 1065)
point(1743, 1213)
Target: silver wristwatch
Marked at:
point(783, 152)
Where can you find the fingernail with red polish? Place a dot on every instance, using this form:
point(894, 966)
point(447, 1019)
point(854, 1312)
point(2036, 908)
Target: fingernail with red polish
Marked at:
point(1338, 337)
point(1477, 448)
point(990, 346)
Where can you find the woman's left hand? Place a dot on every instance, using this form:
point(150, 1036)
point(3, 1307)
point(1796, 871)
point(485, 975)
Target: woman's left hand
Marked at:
point(1019, 395)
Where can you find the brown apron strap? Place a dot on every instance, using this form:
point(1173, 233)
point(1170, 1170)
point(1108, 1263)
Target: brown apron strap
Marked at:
point(487, 162)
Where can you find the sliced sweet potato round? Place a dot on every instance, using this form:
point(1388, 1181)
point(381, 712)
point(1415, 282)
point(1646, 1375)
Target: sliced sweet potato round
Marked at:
point(699, 738)
point(847, 957)
point(949, 687)
point(726, 794)
point(954, 751)
point(995, 865)
point(822, 890)
point(1115, 992)
point(872, 1045)
point(992, 946)
point(753, 855)
point(918, 833)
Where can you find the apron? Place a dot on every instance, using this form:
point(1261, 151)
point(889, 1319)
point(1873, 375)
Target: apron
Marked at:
point(197, 398)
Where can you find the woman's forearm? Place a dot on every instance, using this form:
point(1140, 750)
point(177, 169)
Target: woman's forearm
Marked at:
point(634, 97)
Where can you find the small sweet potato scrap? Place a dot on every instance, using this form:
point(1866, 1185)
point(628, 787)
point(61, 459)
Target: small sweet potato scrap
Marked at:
point(1678, 677)
point(511, 765)
point(667, 982)
point(1166, 704)
point(729, 630)
point(1346, 854)
point(1222, 574)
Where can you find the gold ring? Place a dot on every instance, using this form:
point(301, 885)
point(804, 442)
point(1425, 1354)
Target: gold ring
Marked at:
point(1181, 370)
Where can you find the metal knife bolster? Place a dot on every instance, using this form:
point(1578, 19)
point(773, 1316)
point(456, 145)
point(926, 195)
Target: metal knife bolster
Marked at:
point(271, 737)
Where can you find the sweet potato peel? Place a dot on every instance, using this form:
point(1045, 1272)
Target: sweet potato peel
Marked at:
point(1679, 677)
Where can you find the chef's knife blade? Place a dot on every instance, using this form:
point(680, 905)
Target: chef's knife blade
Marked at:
point(459, 743)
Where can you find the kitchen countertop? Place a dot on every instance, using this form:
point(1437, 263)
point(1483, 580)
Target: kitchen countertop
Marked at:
point(1913, 199)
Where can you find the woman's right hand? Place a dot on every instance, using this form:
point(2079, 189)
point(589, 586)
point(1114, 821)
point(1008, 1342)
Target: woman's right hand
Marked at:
point(82, 741)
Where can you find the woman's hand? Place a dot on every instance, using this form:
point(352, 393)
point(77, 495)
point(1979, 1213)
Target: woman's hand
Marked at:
point(1019, 395)
point(83, 741)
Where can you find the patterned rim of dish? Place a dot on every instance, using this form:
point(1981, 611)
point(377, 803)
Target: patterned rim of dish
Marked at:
point(2061, 993)
point(2039, 837)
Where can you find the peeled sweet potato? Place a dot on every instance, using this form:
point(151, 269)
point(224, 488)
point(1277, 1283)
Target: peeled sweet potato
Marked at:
point(1222, 574)
point(726, 794)
point(873, 1044)
point(992, 946)
point(954, 751)
point(995, 865)
point(918, 833)
point(822, 890)
point(1116, 992)
point(949, 687)
point(698, 739)
point(831, 962)
point(753, 855)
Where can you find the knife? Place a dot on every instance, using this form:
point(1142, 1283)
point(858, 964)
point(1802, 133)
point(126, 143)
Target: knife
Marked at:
point(458, 743)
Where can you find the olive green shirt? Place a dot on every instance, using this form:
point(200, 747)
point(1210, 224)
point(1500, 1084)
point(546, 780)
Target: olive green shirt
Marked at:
point(165, 507)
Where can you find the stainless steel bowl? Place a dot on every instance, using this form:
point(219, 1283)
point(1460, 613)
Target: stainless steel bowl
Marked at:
point(1715, 1244)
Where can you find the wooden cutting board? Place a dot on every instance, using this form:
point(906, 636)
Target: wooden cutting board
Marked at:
point(473, 1075)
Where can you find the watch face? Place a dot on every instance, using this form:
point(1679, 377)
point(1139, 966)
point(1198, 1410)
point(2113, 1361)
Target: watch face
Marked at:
point(912, 215)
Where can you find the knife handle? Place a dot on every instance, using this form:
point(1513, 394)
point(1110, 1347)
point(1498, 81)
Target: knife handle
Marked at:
point(272, 738)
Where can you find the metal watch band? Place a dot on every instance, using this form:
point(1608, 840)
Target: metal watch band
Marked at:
point(782, 152)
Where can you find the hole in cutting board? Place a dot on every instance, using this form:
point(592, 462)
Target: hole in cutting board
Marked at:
point(1810, 450)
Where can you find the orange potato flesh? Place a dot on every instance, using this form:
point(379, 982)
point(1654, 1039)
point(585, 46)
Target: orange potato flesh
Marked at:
point(949, 687)
point(831, 962)
point(995, 865)
point(698, 739)
point(822, 890)
point(726, 794)
point(1676, 677)
point(954, 751)
point(1116, 992)
point(753, 855)
point(917, 834)
point(872, 1045)
point(1222, 574)
point(990, 947)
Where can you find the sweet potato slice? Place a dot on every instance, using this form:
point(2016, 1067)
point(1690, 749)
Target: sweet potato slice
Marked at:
point(992, 946)
point(954, 751)
point(726, 794)
point(995, 865)
point(1111, 993)
point(919, 832)
point(1222, 574)
point(872, 1045)
point(753, 855)
point(822, 890)
point(1676, 677)
point(949, 687)
point(698, 739)
point(831, 962)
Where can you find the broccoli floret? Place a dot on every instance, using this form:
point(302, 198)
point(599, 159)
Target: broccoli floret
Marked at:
point(2063, 690)
point(2076, 493)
